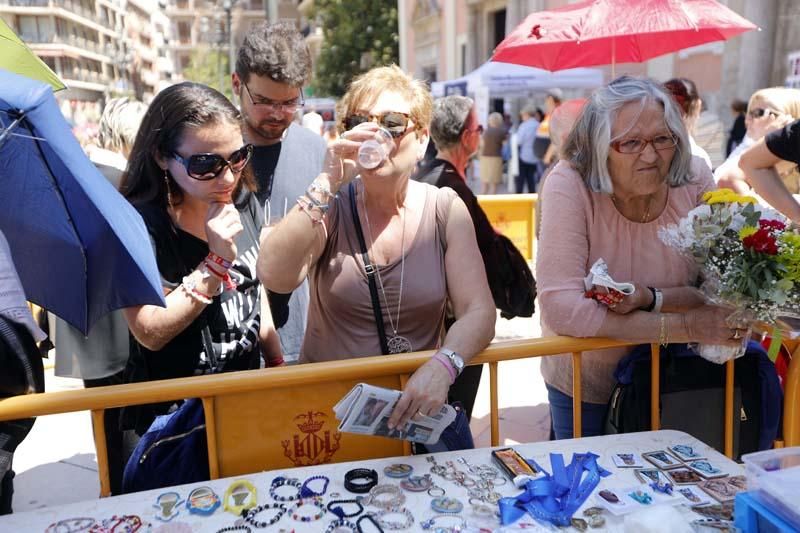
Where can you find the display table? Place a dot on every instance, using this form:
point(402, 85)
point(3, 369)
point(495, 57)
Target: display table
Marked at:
point(419, 503)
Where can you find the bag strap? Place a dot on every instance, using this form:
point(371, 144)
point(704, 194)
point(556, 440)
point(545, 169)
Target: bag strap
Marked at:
point(371, 271)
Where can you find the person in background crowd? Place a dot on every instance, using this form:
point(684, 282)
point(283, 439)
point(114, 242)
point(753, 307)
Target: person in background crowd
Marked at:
point(768, 110)
point(313, 121)
point(526, 133)
point(331, 133)
point(739, 128)
point(419, 238)
point(99, 358)
point(454, 127)
point(542, 147)
point(539, 115)
point(491, 158)
point(685, 94)
point(272, 66)
point(189, 178)
point(759, 162)
point(709, 134)
point(627, 170)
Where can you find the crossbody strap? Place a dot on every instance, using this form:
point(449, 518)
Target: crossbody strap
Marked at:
point(371, 271)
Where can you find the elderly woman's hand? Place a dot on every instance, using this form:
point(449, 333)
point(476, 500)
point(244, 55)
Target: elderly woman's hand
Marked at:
point(711, 324)
point(425, 393)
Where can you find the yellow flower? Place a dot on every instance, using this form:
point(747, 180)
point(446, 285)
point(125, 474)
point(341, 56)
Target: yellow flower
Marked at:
point(746, 232)
point(726, 196)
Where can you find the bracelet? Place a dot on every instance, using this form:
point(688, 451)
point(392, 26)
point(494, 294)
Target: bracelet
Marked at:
point(429, 523)
point(663, 339)
point(218, 259)
point(339, 511)
point(316, 203)
point(380, 516)
point(275, 362)
point(191, 283)
point(395, 500)
point(446, 363)
point(224, 277)
point(649, 308)
point(188, 286)
point(321, 510)
point(72, 524)
point(360, 480)
point(369, 518)
point(202, 501)
point(244, 497)
point(658, 300)
point(250, 516)
point(316, 186)
point(340, 524)
point(306, 208)
point(308, 492)
point(280, 482)
point(235, 528)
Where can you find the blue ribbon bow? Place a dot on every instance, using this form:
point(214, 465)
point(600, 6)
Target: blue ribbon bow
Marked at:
point(555, 498)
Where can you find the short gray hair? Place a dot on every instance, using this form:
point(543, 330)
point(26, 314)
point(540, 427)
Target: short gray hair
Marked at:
point(589, 141)
point(449, 118)
point(495, 120)
point(119, 123)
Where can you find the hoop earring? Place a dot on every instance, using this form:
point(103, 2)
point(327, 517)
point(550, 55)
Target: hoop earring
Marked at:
point(169, 190)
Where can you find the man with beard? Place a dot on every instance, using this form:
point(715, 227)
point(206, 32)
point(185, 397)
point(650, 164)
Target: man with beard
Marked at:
point(272, 66)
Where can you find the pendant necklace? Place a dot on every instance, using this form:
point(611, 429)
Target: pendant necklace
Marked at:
point(646, 211)
point(396, 343)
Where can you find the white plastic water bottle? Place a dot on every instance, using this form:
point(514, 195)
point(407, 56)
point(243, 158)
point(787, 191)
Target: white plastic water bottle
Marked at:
point(373, 152)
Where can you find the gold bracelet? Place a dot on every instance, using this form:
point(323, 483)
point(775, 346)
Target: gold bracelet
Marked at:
point(663, 339)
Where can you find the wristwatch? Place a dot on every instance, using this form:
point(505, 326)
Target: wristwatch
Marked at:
point(454, 358)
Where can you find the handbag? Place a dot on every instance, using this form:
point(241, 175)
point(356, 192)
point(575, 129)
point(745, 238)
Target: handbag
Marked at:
point(510, 279)
point(456, 436)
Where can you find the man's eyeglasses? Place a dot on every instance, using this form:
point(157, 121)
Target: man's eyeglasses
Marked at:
point(206, 167)
point(478, 128)
point(394, 122)
point(760, 112)
point(265, 103)
point(637, 146)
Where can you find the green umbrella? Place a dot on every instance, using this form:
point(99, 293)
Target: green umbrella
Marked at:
point(16, 57)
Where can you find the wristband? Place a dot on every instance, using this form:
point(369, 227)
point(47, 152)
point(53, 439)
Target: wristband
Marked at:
point(360, 480)
point(218, 259)
point(275, 362)
point(446, 363)
point(649, 308)
point(658, 301)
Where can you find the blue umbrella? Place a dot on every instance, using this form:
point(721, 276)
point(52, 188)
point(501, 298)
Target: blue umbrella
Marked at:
point(80, 248)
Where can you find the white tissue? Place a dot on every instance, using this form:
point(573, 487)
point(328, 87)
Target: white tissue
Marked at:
point(599, 277)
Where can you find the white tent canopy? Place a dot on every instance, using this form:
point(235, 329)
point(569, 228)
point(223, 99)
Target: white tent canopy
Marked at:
point(508, 80)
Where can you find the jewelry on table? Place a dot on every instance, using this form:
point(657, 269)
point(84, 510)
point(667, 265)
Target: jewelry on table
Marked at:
point(168, 503)
point(335, 495)
point(306, 502)
point(417, 483)
point(360, 480)
point(436, 491)
point(663, 487)
point(641, 497)
point(244, 528)
point(375, 497)
point(398, 470)
point(243, 494)
point(596, 521)
point(341, 524)
point(368, 518)
point(579, 523)
point(250, 515)
point(380, 517)
point(396, 342)
point(438, 519)
point(70, 525)
point(202, 501)
point(118, 524)
point(446, 505)
point(483, 509)
point(281, 481)
point(339, 511)
point(307, 492)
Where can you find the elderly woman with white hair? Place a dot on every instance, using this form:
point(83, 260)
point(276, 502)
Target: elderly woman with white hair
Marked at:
point(627, 170)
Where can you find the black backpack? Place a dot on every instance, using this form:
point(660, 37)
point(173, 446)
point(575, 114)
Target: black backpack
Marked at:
point(693, 398)
point(510, 279)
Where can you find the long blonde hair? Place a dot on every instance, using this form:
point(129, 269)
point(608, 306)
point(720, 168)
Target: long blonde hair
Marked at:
point(783, 99)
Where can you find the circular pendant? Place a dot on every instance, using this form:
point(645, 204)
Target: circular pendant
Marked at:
point(398, 344)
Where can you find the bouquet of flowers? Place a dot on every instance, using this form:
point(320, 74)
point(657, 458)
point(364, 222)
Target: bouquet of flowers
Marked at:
point(749, 259)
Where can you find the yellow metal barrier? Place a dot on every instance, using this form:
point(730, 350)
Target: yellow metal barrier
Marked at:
point(251, 416)
point(513, 215)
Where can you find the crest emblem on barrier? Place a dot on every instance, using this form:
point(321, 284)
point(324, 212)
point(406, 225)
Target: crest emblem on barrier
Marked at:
point(312, 446)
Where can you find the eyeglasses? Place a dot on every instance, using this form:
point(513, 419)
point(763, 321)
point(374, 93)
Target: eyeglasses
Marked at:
point(395, 122)
point(637, 146)
point(478, 128)
point(760, 112)
point(206, 167)
point(265, 103)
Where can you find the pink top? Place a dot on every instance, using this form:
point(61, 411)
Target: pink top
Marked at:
point(578, 228)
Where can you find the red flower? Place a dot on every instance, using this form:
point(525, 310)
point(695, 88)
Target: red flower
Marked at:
point(773, 225)
point(762, 241)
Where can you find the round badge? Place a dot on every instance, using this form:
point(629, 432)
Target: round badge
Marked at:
point(398, 470)
point(417, 483)
point(446, 505)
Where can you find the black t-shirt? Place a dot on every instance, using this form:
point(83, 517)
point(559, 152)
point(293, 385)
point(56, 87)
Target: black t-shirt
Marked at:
point(785, 143)
point(263, 163)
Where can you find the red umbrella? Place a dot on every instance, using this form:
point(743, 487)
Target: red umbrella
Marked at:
point(602, 32)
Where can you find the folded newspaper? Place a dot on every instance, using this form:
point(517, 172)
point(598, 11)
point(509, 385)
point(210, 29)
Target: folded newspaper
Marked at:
point(366, 409)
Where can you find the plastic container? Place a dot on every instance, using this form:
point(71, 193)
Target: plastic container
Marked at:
point(773, 477)
point(373, 152)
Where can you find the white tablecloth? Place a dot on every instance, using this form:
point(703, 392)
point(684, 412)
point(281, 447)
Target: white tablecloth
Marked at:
point(142, 504)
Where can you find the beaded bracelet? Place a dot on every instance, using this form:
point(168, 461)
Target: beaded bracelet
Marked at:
point(283, 481)
point(369, 518)
point(397, 498)
point(360, 480)
point(429, 523)
point(380, 516)
point(244, 528)
point(307, 492)
point(73, 525)
point(250, 516)
point(308, 518)
point(306, 208)
point(316, 203)
point(339, 511)
point(190, 287)
point(340, 524)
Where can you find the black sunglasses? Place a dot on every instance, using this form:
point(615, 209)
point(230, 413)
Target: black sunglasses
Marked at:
point(394, 122)
point(208, 166)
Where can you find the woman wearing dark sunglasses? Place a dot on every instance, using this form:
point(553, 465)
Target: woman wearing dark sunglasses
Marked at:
point(420, 242)
point(188, 177)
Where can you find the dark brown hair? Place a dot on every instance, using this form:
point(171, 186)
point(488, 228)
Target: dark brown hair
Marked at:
point(684, 92)
point(174, 110)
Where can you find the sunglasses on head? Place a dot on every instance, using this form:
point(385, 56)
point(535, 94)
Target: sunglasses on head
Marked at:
point(394, 122)
point(760, 112)
point(208, 166)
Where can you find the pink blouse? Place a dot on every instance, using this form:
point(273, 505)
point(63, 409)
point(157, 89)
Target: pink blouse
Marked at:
point(579, 227)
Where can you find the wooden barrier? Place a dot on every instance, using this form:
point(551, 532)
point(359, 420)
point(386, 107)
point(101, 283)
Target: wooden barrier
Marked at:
point(513, 215)
point(274, 418)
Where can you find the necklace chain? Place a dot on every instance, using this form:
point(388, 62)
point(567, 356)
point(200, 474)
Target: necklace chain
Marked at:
point(395, 327)
point(646, 211)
